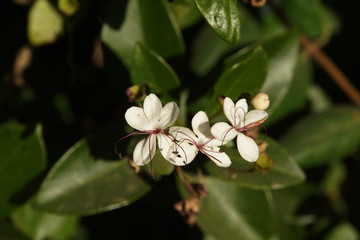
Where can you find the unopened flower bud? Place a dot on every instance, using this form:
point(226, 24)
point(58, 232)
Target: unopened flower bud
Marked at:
point(261, 101)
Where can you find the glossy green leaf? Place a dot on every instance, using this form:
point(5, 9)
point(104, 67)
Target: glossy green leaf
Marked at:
point(149, 68)
point(138, 26)
point(80, 183)
point(208, 48)
point(39, 225)
point(44, 24)
point(23, 158)
point(233, 212)
point(223, 16)
point(285, 171)
point(319, 138)
point(283, 52)
point(295, 98)
point(344, 230)
point(245, 76)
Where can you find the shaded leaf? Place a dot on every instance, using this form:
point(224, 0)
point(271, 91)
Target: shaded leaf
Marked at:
point(296, 96)
point(186, 13)
point(285, 171)
point(22, 160)
point(39, 225)
point(283, 53)
point(319, 138)
point(223, 16)
point(343, 230)
point(310, 16)
point(246, 212)
point(44, 23)
point(138, 26)
point(82, 184)
point(9, 232)
point(149, 68)
point(246, 75)
point(69, 7)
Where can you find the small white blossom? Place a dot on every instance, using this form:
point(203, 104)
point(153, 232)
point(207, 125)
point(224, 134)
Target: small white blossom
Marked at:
point(189, 143)
point(241, 121)
point(153, 119)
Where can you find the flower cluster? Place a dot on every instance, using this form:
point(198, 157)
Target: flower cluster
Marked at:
point(180, 145)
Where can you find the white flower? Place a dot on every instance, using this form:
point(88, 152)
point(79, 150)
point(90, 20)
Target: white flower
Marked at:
point(241, 121)
point(189, 143)
point(153, 120)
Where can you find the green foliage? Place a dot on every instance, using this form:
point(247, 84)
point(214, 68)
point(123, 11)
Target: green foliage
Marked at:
point(223, 16)
point(148, 67)
point(321, 138)
point(57, 170)
point(82, 184)
point(249, 217)
point(40, 225)
point(140, 18)
point(22, 160)
point(45, 23)
point(284, 172)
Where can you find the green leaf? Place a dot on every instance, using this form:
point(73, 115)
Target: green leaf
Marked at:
point(149, 68)
point(39, 225)
point(283, 53)
point(343, 230)
point(246, 75)
point(208, 48)
point(186, 13)
point(285, 171)
point(160, 166)
point(148, 22)
point(80, 183)
point(319, 138)
point(22, 160)
point(246, 212)
point(68, 7)
point(223, 16)
point(310, 16)
point(44, 23)
point(295, 98)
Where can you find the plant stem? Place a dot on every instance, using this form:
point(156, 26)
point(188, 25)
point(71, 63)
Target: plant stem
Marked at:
point(331, 68)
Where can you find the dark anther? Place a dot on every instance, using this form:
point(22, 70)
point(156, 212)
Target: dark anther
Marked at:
point(179, 156)
point(175, 152)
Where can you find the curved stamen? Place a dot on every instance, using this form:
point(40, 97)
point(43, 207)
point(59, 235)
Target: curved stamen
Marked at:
point(133, 133)
point(222, 142)
point(239, 117)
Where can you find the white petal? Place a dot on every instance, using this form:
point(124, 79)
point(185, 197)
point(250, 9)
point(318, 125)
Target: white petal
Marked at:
point(255, 116)
point(201, 126)
point(247, 147)
point(164, 144)
point(168, 116)
point(219, 158)
point(181, 133)
point(223, 131)
point(152, 108)
point(229, 107)
point(143, 150)
point(181, 154)
point(241, 110)
point(137, 119)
